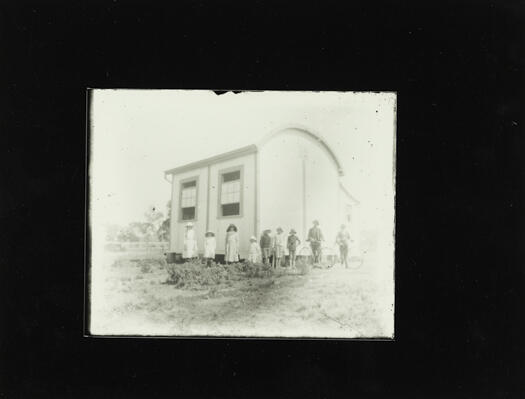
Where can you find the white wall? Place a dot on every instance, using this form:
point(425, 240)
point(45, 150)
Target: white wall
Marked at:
point(245, 223)
point(177, 226)
point(280, 193)
point(281, 185)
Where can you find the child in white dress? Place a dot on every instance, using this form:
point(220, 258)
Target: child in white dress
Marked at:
point(209, 247)
point(231, 244)
point(255, 250)
point(190, 250)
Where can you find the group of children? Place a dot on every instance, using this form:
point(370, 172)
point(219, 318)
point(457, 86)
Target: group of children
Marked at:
point(268, 247)
point(273, 247)
point(231, 245)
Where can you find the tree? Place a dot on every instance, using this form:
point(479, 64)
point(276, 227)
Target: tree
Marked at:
point(153, 216)
point(163, 231)
point(139, 230)
point(128, 234)
point(153, 222)
point(153, 228)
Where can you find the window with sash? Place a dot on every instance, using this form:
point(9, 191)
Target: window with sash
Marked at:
point(230, 199)
point(188, 200)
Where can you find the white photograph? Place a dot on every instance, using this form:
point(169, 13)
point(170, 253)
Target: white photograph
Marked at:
point(260, 214)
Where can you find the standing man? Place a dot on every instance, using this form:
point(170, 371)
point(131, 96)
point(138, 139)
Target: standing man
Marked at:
point(343, 238)
point(315, 236)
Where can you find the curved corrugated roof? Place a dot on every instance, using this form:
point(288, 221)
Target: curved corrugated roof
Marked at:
point(254, 147)
point(312, 135)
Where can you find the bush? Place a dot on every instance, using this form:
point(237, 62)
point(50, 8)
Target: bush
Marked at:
point(145, 268)
point(257, 270)
point(195, 275)
point(190, 275)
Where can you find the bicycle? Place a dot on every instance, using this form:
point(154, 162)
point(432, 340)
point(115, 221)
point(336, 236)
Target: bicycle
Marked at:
point(331, 255)
point(303, 259)
point(327, 257)
point(304, 253)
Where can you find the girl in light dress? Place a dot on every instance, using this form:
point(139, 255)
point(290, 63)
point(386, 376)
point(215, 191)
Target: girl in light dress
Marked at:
point(210, 244)
point(232, 244)
point(190, 250)
point(254, 252)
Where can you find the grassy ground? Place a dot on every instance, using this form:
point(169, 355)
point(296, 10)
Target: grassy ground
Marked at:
point(131, 296)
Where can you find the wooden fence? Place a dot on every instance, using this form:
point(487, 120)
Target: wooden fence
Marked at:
point(139, 246)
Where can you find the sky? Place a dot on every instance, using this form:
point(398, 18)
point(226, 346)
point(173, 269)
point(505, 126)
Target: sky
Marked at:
point(138, 134)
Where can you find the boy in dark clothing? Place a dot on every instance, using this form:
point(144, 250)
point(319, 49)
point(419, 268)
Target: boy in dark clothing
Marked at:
point(266, 245)
point(292, 244)
point(315, 236)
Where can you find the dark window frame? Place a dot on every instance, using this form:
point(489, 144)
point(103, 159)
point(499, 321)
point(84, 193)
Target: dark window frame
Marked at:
point(240, 169)
point(181, 188)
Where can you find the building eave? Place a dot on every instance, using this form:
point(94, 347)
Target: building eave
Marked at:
point(250, 149)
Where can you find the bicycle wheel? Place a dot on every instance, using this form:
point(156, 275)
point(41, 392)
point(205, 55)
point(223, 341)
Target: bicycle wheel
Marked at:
point(328, 257)
point(305, 253)
point(302, 263)
point(354, 258)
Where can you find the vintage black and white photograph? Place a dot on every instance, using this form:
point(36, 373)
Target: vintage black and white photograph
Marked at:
point(241, 213)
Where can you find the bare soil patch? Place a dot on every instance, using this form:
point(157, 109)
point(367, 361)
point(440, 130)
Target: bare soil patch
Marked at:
point(145, 296)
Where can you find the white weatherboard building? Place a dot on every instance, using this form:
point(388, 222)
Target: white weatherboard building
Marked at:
point(288, 179)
